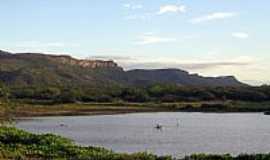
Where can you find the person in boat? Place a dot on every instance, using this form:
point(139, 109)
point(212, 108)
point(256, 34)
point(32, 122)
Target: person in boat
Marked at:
point(177, 123)
point(63, 125)
point(158, 126)
point(267, 113)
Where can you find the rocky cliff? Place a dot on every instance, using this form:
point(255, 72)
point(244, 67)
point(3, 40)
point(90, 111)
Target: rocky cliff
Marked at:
point(60, 59)
point(84, 63)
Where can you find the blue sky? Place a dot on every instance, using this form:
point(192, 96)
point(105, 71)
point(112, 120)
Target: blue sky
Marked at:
point(210, 37)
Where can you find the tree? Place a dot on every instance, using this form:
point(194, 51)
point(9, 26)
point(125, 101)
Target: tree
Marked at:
point(69, 95)
point(156, 90)
point(50, 93)
point(135, 95)
point(5, 105)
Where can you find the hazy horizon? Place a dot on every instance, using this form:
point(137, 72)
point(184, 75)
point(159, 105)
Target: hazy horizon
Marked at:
point(228, 37)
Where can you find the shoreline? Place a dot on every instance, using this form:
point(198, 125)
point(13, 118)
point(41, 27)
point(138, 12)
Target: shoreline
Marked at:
point(121, 113)
point(92, 109)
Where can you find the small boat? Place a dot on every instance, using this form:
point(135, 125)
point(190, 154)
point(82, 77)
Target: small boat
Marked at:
point(158, 126)
point(177, 123)
point(63, 125)
point(266, 113)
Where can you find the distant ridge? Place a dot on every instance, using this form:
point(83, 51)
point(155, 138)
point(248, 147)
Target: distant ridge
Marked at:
point(30, 69)
point(181, 77)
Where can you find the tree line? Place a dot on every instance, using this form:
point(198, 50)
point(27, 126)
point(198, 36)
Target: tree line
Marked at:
point(152, 93)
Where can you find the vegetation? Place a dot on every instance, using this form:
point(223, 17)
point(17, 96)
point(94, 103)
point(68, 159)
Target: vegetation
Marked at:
point(40, 79)
point(6, 107)
point(52, 101)
point(18, 144)
point(153, 93)
point(29, 108)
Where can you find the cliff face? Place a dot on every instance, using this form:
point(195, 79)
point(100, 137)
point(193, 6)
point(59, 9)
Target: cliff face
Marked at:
point(84, 63)
point(61, 59)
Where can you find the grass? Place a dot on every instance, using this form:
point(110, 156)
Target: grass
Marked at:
point(26, 110)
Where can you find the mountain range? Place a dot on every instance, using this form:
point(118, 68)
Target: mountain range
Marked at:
point(31, 69)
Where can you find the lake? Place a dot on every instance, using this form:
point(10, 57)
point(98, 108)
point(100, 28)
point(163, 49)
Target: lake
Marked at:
point(181, 133)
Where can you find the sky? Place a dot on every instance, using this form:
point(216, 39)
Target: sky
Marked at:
point(209, 37)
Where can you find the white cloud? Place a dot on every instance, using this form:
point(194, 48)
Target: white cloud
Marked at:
point(240, 35)
point(193, 64)
point(214, 16)
point(133, 6)
point(152, 39)
point(256, 82)
point(171, 9)
point(39, 47)
point(36, 50)
point(138, 17)
point(37, 44)
point(126, 5)
point(162, 10)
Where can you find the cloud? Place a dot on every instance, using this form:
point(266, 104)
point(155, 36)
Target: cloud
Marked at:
point(240, 35)
point(115, 58)
point(153, 39)
point(36, 50)
point(37, 44)
point(188, 64)
point(39, 47)
point(192, 66)
point(214, 16)
point(171, 9)
point(257, 82)
point(165, 9)
point(139, 17)
point(132, 6)
point(209, 65)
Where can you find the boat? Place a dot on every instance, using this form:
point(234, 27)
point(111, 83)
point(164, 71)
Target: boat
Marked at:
point(158, 126)
point(266, 113)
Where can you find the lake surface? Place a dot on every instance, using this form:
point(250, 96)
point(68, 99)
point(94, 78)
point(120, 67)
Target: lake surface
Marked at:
point(182, 133)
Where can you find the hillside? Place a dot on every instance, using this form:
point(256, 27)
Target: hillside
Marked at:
point(179, 77)
point(31, 69)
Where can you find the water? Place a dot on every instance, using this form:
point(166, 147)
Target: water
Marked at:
point(181, 134)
